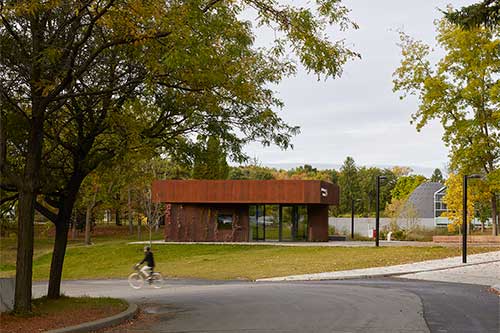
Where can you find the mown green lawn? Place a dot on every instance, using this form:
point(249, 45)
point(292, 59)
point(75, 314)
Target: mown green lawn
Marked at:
point(114, 259)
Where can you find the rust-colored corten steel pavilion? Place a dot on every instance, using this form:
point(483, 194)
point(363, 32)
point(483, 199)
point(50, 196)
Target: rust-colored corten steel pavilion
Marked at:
point(246, 210)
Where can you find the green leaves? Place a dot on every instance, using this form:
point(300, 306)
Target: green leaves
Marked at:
point(461, 90)
point(486, 12)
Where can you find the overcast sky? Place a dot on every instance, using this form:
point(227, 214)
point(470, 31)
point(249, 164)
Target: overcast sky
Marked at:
point(358, 115)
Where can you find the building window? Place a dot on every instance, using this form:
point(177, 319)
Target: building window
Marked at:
point(440, 206)
point(224, 221)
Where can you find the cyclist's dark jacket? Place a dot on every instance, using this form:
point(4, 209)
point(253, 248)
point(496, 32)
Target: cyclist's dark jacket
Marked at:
point(148, 258)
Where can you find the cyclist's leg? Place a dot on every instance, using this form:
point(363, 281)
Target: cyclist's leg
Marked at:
point(149, 272)
point(146, 271)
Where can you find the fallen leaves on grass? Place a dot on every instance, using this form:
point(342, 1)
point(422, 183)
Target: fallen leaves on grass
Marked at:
point(64, 312)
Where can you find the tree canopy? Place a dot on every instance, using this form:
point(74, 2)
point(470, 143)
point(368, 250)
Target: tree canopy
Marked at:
point(210, 162)
point(405, 185)
point(485, 13)
point(437, 176)
point(462, 91)
point(85, 81)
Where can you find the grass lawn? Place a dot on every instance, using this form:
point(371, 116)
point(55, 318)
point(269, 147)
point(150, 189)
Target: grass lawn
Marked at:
point(65, 311)
point(109, 258)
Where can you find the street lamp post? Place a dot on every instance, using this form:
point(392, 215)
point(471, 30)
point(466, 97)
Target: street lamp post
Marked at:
point(377, 213)
point(353, 201)
point(464, 217)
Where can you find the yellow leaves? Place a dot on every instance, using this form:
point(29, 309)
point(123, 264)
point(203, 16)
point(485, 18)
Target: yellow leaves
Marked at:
point(29, 8)
point(478, 191)
point(45, 86)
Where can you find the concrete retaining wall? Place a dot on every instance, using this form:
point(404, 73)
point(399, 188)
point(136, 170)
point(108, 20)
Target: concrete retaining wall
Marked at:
point(365, 225)
point(7, 287)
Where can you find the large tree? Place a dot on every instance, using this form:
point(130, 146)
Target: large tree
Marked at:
point(45, 50)
point(437, 176)
point(81, 78)
point(478, 197)
point(348, 183)
point(462, 91)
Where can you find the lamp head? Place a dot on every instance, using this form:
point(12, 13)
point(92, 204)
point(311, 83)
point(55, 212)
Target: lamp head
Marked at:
point(475, 176)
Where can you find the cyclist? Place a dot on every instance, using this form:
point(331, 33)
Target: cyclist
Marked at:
point(150, 262)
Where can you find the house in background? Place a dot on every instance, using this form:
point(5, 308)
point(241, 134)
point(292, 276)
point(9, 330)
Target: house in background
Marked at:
point(423, 201)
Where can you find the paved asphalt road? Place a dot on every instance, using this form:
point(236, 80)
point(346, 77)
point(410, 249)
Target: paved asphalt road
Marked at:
point(370, 305)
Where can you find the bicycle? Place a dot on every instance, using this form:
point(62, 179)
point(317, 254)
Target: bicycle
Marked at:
point(136, 279)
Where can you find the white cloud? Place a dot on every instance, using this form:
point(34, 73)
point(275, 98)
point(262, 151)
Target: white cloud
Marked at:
point(358, 115)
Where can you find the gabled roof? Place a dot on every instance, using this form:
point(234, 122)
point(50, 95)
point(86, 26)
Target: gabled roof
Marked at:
point(422, 199)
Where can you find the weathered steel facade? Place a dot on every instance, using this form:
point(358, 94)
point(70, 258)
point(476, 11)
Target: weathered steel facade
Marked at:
point(194, 206)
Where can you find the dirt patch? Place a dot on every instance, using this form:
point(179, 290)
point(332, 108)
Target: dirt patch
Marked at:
point(67, 315)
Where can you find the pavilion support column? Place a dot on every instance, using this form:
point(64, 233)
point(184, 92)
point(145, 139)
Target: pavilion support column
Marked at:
point(317, 223)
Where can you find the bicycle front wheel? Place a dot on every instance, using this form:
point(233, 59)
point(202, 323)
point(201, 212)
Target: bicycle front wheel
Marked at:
point(157, 280)
point(135, 280)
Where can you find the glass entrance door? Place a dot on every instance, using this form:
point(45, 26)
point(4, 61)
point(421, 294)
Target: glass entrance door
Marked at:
point(287, 223)
point(293, 223)
point(257, 227)
point(301, 224)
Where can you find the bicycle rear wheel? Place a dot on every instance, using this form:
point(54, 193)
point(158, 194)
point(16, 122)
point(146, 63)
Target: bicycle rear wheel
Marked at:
point(157, 280)
point(135, 280)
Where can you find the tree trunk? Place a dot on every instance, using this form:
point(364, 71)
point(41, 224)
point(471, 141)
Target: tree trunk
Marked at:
point(61, 239)
point(73, 226)
point(129, 208)
point(24, 262)
point(117, 217)
point(139, 236)
point(494, 213)
point(88, 221)
point(150, 237)
point(27, 197)
point(56, 266)
point(88, 213)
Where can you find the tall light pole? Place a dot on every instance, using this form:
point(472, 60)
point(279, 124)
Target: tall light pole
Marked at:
point(377, 213)
point(353, 201)
point(464, 218)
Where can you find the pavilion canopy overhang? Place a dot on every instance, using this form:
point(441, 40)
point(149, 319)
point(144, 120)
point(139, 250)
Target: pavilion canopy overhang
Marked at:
point(298, 192)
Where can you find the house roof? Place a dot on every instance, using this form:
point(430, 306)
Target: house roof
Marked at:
point(246, 191)
point(422, 199)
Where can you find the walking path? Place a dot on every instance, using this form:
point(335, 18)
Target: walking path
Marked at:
point(481, 268)
point(327, 244)
point(484, 274)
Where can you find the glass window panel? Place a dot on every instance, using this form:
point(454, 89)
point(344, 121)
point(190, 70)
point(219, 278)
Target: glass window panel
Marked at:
point(224, 221)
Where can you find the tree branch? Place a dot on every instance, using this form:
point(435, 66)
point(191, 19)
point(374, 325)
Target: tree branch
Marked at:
point(45, 212)
point(7, 199)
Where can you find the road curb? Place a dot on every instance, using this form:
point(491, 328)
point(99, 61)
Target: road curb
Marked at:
point(101, 323)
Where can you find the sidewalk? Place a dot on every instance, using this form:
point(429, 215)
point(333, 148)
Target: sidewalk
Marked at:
point(483, 274)
point(325, 244)
point(476, 264)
